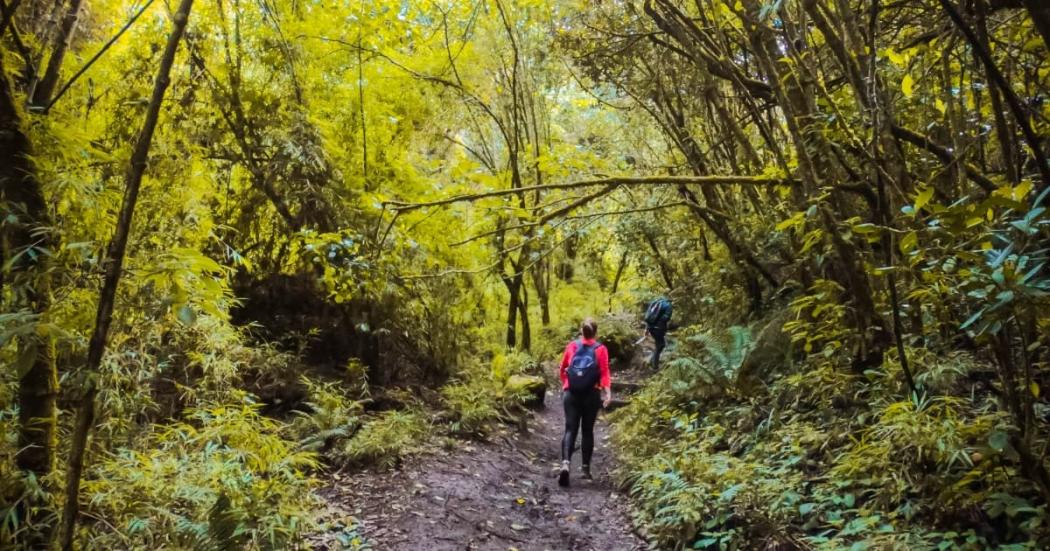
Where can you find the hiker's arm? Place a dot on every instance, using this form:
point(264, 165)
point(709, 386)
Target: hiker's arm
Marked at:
point(565, 358)
point(606, 378)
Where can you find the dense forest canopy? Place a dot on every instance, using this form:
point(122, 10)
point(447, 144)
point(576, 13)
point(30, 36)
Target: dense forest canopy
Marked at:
point(246, 244)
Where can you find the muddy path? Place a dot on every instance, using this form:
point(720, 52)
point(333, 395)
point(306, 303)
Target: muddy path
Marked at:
point(500, 494)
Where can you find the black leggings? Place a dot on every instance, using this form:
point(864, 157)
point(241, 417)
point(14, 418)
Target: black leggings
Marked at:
point(659, 338)
point(580, 408)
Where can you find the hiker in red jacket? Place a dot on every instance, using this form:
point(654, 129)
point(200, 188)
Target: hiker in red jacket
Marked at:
point(586, 388)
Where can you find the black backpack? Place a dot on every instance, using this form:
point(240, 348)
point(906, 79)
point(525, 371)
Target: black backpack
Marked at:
point(660, 308)
point(583, 370)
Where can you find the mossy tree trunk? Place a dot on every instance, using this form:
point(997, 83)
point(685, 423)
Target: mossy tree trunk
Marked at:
point(26, 237)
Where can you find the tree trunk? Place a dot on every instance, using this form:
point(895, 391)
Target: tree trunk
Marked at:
point(1017, 108)
point(547, 300)
point(523, 310)
point(619, 271)
point(21, 192)
point(512, 311)
point(113, 268)
point(665, 269)
point(541, 282)
point(676, 127)
point(1003, 131)
point(46, 87)
point(567, 267)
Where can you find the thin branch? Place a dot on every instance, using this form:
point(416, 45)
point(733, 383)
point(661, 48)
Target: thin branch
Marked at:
point(97, 55)
point(543, 219)
point(577, 203)
point(8, 13)
point(477, 155)
point(519, 270)
point(943, 154)
point(614, 181)
point(628, 211)
point(457, 86)
point(382, 240)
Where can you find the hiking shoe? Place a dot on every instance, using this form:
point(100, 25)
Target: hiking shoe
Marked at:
point(587, 473)
point(563, 475)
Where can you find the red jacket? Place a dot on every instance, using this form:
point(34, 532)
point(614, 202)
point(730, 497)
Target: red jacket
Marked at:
point(600, 353)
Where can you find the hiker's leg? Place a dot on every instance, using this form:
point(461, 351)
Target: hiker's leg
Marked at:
point(661, 342)
point(572, 424)
point(590, 415)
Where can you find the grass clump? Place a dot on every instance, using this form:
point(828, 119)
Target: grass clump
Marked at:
point(480, 397)
point(386, 439)
point(220, 478)
point(331, 417)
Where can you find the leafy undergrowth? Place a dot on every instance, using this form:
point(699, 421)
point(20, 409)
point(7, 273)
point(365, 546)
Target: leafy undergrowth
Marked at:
point(338, 427)
point(383, 440)
point(223, 477)
point(221, 474)
point(821, 459)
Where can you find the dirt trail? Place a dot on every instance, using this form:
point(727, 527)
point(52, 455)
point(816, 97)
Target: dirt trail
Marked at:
point(501, 494)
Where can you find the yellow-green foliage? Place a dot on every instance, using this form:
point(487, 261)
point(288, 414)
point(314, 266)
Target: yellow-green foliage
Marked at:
point(332, 417)
point(476, 405)
point(386, 439)
point(26, 508)
point(817, 462)
point(911, 438)
point(504, 365)
point(221, 477)
point(155, 370)
point(304, 161)
point(480, 396)
point(821, 323)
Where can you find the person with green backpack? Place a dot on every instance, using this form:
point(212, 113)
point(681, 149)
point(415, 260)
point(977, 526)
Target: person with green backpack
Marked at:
point(657, 316)
point(586, 388)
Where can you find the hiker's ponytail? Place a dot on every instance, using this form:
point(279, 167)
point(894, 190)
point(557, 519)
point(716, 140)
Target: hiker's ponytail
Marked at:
point(589, 328)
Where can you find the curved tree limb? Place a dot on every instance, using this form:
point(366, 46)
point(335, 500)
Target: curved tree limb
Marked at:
point(617, 181)
point(943, 154)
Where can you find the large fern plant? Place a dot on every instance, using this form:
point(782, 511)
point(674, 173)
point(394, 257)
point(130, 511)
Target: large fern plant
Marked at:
point(726, 353)
point(709, 360)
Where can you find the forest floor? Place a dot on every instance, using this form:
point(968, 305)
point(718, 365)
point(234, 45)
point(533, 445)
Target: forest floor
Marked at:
point(500, 494)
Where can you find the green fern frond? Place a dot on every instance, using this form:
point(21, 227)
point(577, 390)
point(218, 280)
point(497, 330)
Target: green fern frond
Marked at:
point(223, 525)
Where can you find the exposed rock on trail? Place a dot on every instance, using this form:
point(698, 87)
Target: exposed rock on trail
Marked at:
point(500, 494)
